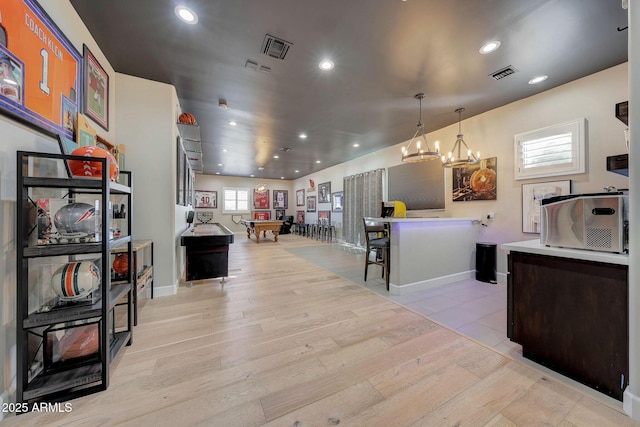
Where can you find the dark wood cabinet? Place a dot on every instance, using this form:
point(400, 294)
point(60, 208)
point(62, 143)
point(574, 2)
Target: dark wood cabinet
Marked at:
point(572, 316)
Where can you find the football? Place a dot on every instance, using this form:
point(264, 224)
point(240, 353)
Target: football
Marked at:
point(187, 118)
point(93, 169)
point(75, 280)
point(79, 342)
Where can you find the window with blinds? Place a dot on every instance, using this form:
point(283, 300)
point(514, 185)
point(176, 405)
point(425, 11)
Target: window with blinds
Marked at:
point(235, 200)
point(555, 150)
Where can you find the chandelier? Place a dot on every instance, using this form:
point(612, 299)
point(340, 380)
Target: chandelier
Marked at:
point(456, 158)
point(262, 186)
point(421, 154)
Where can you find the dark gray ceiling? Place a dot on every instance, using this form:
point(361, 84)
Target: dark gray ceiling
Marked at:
point(385, 51)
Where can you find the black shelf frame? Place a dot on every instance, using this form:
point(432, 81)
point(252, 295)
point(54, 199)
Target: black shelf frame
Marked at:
point(81, 379)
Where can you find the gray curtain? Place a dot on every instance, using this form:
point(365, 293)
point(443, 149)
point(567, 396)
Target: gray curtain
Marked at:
point(362, 198)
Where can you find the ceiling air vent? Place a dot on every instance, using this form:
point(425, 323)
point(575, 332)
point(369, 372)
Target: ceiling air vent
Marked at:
point(275, 47)
point(286, 149)
point(504, 72)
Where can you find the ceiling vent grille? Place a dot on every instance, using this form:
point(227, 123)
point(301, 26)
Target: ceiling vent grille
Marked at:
point(275, 47)
point(286, 149)
point(504, 72)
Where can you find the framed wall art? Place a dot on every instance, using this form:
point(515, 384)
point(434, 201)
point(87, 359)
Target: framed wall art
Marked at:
point(96, 90)
point(41, 71)
point(337, 199)
point(532, 194)
point(280, 214)
point(475, 182)
point(300, 197)
point(280, 199)
point(266, 215)
point(311, 203)
point(324, 192)
point(300, 217)
point(206, 199)
point(261, 199)
point(324, 217)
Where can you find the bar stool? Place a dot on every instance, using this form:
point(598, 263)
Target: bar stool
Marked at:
point(377, 239)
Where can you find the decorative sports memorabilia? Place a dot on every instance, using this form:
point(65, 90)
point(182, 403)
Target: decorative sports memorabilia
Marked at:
point(121, 264)
point(40, 70)
point(75, 280)
point(78, 342)
point(75, 219)
point(206, 199)
point(187, 119)
point(93, 169)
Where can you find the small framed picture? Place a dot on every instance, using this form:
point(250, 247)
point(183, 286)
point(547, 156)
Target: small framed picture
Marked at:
point(300, 217)
point(96, 90)
point(266, 215)
point(311, 203)
point(324, 217)
point(280, 199)
point(337, 199)
point(206, 199)
point(300, 197)
point(280, 214)
point(324, 192)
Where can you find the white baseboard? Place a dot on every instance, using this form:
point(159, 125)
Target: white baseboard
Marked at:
point(165, 291)
point(631, 404)
point(431, 283)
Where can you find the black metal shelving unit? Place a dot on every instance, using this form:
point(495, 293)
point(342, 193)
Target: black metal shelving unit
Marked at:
point(42, 175)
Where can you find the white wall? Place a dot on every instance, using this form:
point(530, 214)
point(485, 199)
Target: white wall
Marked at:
point(593, 97)
point(216, 183)
point(146, 125)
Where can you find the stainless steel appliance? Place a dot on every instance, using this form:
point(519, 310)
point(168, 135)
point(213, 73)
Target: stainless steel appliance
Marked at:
point(597, 221)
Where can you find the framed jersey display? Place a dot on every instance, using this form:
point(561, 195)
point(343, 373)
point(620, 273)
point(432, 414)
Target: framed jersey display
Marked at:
point(40, 70)
point(206, 199)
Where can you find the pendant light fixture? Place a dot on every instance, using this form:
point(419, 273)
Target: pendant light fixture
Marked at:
point(262, 186)
point(457, 157)
point(421, 154)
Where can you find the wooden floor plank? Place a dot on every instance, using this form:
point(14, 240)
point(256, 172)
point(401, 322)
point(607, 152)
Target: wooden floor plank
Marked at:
point(286, 342)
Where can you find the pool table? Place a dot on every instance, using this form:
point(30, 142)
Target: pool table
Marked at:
point(257, 226)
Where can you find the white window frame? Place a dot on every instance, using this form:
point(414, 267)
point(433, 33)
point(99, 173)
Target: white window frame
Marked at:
point(578, 143)
point(236, 189)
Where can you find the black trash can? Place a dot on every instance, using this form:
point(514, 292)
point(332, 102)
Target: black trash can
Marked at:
point(486, 262)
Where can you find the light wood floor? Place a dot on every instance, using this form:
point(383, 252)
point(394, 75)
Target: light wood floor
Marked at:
point(286, 342)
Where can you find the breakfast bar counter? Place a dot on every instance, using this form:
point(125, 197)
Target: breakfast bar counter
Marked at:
point(427, 252)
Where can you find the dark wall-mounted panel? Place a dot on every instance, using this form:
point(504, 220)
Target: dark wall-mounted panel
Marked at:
point(418, 185)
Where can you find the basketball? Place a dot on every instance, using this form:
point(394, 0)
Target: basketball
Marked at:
point(79, 342)
point(121, 264)
point(75, 280)
point(89, 169)
point(187, 118)
point(75, 218)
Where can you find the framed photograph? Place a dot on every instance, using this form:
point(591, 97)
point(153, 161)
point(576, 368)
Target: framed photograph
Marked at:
point(261, 199)
point(300, 217)
point(532, 194)
point(96, 89)
point(280, 214)
point(324, 217)
point(324, 192)
point(41, 71)
point(337, 199)
point(475, 182)
point(206, 199)
point(311, 203)
point(300, 197)
point(280, 199)
point(266, 215)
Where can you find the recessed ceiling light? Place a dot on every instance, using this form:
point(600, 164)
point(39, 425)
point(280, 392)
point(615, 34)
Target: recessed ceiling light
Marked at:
point(303, 136)
point(217, 173)
point(275, 156)
point(538, 79)
point(318, 161)
point(232, 123)
point(356, 145)
point(326, 65)
point(282, 177)
point(219, 164)
point(296, 171)
point(489, 47)
point(224, 150)
point(252, 175)
point(186, 15)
